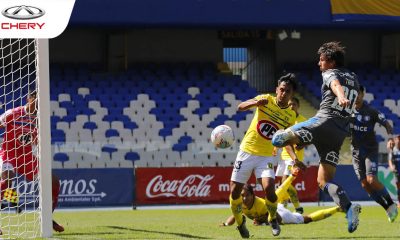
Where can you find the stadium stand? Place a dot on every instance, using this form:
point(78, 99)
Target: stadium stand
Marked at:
point(151, 115)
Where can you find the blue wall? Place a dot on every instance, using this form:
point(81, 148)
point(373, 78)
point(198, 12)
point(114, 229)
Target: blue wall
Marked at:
point(210, 13)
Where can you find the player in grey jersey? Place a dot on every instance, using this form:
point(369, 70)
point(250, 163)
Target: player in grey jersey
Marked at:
point(364, 148)
point(329, 127)
point(394, 164)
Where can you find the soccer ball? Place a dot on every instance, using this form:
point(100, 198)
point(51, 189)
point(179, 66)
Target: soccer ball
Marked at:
point(222, 136)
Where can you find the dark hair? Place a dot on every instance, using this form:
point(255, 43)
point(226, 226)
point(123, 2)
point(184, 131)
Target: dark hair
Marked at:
point(295, 99)
point(289, 78)
point(362, 88)
point(333, 51)
point(32, 94)
point(249, 188)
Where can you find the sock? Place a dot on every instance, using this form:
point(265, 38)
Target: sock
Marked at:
point(236, 208)
point(55, 191)
point(398, 191)
point(382, 197)
point(293, 196)
point(324, 213)
point(338, 195)
point(271, 207)
point(283, 188)
point(3, 188)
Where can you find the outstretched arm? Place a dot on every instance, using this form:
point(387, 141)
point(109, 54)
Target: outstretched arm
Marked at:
point(389, 130)
point(293, 156)
point(229, 221)
point(251, 103)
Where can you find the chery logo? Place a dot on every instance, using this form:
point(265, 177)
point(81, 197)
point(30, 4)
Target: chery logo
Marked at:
point(23, 12)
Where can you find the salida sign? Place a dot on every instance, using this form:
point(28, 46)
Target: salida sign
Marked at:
point(201, 185)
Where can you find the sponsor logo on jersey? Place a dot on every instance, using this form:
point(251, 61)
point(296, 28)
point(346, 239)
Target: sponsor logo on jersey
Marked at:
point(266, 129)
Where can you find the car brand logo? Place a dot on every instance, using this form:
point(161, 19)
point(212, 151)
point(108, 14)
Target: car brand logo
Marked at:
point(23, 12)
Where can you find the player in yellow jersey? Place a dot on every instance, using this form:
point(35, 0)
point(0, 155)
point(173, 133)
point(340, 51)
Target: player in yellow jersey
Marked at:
point(284, 167)
point(254, 208)
point(255, 154)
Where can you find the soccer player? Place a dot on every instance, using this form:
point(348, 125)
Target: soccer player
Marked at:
point(285, 166)
point(254, 208)
point(394, 164)
point(329, 127)
point(17, 156)
point(255, 154)
point(364, 148)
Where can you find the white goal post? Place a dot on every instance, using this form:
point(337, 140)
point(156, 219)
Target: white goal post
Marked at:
point(26, 199)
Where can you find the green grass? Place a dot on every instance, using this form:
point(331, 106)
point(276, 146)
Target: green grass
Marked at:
point(203, 224)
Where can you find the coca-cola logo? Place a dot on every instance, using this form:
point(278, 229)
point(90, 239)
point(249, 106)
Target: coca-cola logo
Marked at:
point(194, 185)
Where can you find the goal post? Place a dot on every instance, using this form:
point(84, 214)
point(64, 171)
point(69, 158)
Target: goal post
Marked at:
point(43, 89)
point(26, 194)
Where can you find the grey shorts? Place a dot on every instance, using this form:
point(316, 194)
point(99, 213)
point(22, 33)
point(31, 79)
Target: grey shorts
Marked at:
point(326, 134)
point(365, 161)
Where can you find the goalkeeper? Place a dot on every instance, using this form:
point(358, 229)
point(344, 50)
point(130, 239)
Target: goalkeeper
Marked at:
point(254, 208)
point(18, 149)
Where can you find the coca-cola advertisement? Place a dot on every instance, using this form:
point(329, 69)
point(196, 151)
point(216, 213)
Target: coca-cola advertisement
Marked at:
point(202, 185)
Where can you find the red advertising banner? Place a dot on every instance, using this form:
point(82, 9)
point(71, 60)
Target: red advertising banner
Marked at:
point(203, 185)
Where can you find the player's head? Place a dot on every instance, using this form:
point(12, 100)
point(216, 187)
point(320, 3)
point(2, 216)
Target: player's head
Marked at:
point(294, 104)
point(360, 97)
point(32, 101)
point(287, 85)
point(397, 141)
point(248, 195)
point(331, 55)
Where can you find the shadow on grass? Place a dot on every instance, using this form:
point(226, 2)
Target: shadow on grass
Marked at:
point(349, 237)
point(159, 232)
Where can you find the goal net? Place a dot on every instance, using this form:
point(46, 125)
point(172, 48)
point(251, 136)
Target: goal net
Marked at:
point(21, 107)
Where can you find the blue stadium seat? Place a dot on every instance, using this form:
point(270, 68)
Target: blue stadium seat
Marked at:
point(61, 157)
point(132, 156)
point(112, 133)
point(90, 125)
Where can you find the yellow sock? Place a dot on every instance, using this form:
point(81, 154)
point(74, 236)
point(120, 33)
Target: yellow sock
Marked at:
point(271, 207)
point(282, 190)
point(236, 208)
point(324, 213)
point(293, 196)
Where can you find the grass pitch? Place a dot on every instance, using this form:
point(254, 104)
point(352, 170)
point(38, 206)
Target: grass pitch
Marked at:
point(203, 224)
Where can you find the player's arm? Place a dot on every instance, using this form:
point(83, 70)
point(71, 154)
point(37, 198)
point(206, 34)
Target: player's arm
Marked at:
point(290, 150)
point(389, 130)
point(246, 105)
point(390, 160)
point(229, 221)
point(337, 89)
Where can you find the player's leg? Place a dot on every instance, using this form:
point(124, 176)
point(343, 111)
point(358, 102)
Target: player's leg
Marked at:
point(295, 134)
point(397, 176)
point(292, 192)
point(242, 170)
point(265, 171)
point(280, 177)
point(376, 189)
point(55, 191)
point(29, 168)
point(326, 172)
point(321, 214)
point(7, 192)
point(288, 217)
